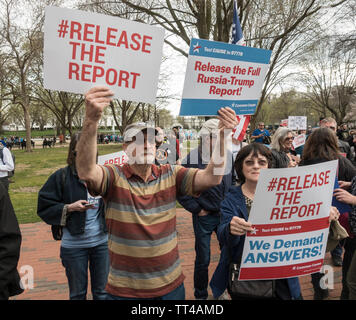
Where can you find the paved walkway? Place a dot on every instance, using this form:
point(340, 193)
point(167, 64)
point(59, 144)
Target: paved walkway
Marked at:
point(41, 253)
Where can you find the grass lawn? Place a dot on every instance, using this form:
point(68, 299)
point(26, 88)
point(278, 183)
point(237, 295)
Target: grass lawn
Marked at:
point(32, 171)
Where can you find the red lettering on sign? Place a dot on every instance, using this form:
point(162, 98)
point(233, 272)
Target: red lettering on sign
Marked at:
point(110, 36)
point(89, 73)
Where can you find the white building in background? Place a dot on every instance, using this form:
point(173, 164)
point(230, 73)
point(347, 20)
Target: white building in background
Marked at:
point(13, 127)
point(17, 127)
point(106, 121)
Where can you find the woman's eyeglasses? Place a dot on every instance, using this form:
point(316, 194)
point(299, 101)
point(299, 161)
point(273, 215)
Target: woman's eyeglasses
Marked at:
point(289, 139)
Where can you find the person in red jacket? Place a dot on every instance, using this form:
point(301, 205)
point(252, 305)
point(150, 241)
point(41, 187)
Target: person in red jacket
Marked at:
point(176, 129)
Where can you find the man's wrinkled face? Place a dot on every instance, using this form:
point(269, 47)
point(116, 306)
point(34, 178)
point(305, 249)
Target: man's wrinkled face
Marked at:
point(142, 148)
point(330, 125)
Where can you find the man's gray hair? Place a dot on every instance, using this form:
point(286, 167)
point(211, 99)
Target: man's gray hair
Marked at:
point(327, 120)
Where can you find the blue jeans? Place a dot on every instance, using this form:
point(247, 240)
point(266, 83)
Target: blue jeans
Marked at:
point(203, 226)
point(176, 294)
point(76, 261)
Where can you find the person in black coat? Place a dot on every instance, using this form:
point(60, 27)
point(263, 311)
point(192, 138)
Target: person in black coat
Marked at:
point(10, 243)
point(322, 146)
point(205, 209)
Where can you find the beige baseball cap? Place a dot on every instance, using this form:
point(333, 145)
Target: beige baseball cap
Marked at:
point(209, 126)
point(133, 129)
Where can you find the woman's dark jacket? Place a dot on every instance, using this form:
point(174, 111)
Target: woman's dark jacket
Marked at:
point(54, 195)
point(280, 158)
point(10, 243)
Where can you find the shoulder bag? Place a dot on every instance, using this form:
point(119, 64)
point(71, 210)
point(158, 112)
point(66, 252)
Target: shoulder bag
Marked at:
point(248, 289)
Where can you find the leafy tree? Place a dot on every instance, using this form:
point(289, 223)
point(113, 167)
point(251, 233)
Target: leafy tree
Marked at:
point(330, 79)
point(279, 25)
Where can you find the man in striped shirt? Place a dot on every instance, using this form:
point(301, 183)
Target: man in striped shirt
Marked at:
point(141, 200)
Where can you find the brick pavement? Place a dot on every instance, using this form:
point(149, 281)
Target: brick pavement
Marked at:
point(41, 252)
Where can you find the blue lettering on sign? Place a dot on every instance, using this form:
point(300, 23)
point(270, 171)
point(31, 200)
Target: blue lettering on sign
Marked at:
point(283, 256)
point(284, 250)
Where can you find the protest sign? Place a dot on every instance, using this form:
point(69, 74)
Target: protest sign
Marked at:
point(297, 123)
point(284, 123)
point(290, 217)
point(84, 49)
point(299, 141)
point(118, 158)
point(220, 75)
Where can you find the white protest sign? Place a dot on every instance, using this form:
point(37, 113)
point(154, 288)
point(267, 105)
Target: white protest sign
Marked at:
point(118, 158)
point(299, 140)
point(290, 214)
point(297, 123)
point(85, 49)
point(221, 74)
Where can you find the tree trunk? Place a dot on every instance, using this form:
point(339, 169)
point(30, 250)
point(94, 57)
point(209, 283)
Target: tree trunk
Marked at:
point(64, 133)
point(70, 124)
point(28, 128)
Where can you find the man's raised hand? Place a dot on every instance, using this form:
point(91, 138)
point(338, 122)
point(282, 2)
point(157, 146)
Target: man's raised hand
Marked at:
point(96, 99)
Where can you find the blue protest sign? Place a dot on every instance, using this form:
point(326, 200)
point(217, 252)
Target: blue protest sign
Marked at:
point(220, 74)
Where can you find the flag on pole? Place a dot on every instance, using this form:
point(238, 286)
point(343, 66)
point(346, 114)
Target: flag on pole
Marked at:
point(237, 37)
point(240, 130)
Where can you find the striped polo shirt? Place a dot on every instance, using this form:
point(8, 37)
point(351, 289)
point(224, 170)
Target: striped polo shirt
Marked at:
point(141, 220)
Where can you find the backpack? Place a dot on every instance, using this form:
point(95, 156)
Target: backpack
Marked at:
point(10, 173)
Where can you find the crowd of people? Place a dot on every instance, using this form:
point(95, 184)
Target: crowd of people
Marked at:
point(118, 223)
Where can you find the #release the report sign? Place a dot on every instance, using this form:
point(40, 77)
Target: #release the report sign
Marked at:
point(84, 49)
point(290, 217)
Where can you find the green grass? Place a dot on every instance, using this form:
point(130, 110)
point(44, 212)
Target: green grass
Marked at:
point(32, 171)
point(44, 133)
point(34, 133)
